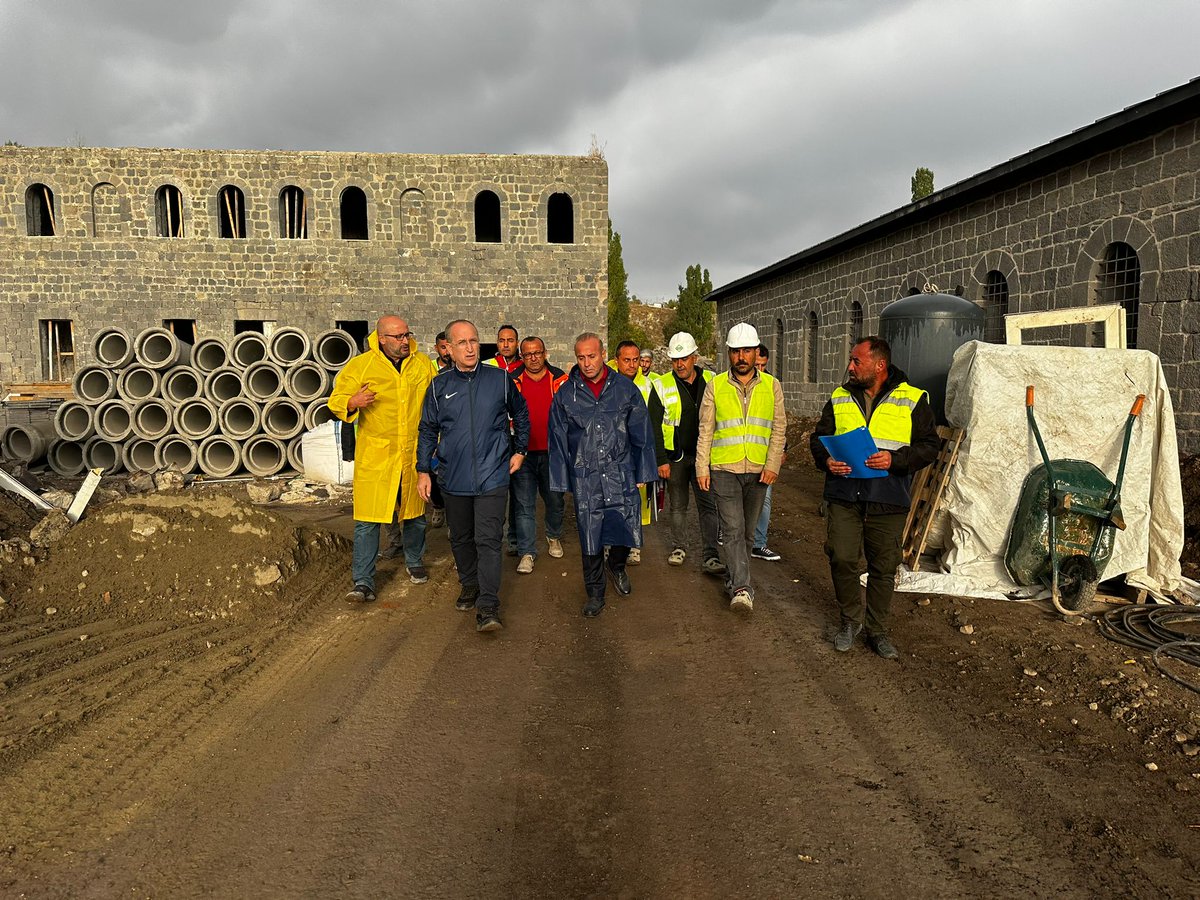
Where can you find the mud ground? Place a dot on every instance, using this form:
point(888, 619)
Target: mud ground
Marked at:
point(301, 746)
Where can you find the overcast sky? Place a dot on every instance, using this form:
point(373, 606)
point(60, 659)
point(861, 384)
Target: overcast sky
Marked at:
point(736, 132)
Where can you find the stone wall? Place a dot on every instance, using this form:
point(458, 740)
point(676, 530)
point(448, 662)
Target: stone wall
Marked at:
point(1046, 235)
point(106, 265)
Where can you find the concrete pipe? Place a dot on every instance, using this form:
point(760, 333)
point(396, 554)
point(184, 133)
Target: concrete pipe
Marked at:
point(101, 454)
point(182, 383)
point(157, 348)
point(306, 381)
point(74, 421)
point(176, 452)
point(114, 420)
point(195, 419)
point(263, 455)
point(247, 348)
point(218, 456)
point(152, 419)
point(318, 412)
point(263, 381)
point(93, 385)
point(334, 348)
point(29, 442)
point(295, 453)
point(283, 418)
point(239, 418)
point(209, 355)
point(288, 346)
point(137, 383)
point(66, 458)
point(138, 455)
point(223, 384)
point(112, 347)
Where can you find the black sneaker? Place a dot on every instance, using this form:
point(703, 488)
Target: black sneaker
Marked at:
point(593, 607)
point(488, 621)
point(765, 553)
point(620, 579)
point(361, 594)
point(883, 646)
point(466, 600)
point(418, 574)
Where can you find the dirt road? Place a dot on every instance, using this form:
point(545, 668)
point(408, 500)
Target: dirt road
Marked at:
point(667, 749)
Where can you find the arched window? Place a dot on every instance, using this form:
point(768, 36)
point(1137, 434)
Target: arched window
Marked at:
point(354, 215)
point(487, 218)
point(106, 209)
point(856, 323)
point(39, 211)
point(995, 306)
point(231, 212)
point(1119, 280)
point(779, 354)
point(810, 368)
point(560, 219)
point(168, 211)
point(293, 213)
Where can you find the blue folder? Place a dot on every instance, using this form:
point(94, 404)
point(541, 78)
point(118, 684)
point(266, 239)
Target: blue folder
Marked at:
point(853, 448)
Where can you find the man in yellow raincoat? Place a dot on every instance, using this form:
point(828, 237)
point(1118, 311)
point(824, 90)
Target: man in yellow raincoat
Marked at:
point(380, 392)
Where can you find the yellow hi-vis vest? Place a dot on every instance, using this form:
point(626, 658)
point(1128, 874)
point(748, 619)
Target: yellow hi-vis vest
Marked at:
point(668, 393)
point(737, 436)
point(891, 419)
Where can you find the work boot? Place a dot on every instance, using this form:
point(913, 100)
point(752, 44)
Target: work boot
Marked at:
point(466, 600)
point(883, 646)
point(525, 566)
point(556, 549)
point(488, 620)
point(593, 607)
point(742, 601)
point(713, 566)
point(678, 555)
point(844, 639)
point(635, 557)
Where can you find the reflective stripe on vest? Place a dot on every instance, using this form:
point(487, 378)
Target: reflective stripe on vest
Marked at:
point(738, 436)
point(891, 419)
point(668, 393)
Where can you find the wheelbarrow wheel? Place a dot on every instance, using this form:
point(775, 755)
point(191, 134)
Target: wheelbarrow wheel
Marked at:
point(1077, 582)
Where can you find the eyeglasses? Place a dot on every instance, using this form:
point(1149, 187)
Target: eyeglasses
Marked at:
point(402, 336)
point(533, 355)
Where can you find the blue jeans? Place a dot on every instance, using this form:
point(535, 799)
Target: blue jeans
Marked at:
point(764, 519)
point(366, 548)
point(531, 479)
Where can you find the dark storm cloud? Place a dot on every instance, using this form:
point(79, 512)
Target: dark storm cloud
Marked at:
point(736, 133)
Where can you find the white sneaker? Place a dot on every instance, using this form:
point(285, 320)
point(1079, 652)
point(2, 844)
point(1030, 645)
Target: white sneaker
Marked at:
point(525, 566)
point(555, 548)
point(742, 601)
point(635, 557)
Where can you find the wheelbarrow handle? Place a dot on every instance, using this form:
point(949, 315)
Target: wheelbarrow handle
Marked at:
point(1137, 406)
point(1029, 395)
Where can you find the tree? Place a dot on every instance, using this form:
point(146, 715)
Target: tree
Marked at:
point(693, 313)
point(922, 183)
point(618, 290)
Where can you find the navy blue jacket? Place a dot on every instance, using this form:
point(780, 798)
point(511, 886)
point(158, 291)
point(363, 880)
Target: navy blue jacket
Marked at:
point(465, 419)
point(600, 450)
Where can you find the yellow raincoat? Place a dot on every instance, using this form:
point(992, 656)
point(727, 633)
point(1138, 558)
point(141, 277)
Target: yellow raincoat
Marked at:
point(385, 455)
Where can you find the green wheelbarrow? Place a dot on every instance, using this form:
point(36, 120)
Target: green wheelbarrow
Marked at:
point(1062, 533)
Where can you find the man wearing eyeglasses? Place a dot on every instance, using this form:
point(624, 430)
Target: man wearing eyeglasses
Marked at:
point(380, 393)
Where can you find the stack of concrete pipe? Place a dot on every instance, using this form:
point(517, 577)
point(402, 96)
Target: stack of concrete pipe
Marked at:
point(218, 407)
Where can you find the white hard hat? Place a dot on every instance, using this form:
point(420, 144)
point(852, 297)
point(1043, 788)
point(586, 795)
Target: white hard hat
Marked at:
point(681, 345)
point(742, 335)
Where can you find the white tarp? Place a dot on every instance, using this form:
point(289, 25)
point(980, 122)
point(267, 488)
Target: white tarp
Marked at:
point(1082, 401)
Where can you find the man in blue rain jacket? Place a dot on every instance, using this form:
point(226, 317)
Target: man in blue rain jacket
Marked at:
point(601, 451)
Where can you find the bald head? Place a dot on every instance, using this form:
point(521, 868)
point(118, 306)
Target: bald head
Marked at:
point(393, 336)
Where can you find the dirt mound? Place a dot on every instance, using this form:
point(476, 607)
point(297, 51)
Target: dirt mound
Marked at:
point(17, 516)
point(176, 555)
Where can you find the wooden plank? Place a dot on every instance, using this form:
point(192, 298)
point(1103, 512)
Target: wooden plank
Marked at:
point(37, 390)
point(928, 491)
point(1112, 315)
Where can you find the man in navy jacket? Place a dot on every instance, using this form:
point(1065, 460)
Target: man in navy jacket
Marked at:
point(602, 451)
point(465, 418)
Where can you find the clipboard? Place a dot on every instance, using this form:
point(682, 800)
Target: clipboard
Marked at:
point(853, 448)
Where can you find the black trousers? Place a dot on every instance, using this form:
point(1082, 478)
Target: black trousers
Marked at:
point(851, 530)
point(476, 533)
point(593, 569)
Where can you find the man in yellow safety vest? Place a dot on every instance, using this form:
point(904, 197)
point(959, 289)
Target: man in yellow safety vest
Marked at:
point(739, 452)
point(868, 514)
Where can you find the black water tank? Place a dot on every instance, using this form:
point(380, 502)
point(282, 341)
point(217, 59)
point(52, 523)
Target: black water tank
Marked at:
point(924, 330)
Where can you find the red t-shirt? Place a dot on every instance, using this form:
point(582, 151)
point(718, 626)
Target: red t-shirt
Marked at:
point(598, 385)
point(538, 395)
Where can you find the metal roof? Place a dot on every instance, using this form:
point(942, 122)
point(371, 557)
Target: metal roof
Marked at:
point(1122, 127)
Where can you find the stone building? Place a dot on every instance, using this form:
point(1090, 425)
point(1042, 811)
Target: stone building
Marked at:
point(217, 242)
point(1106, 214)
